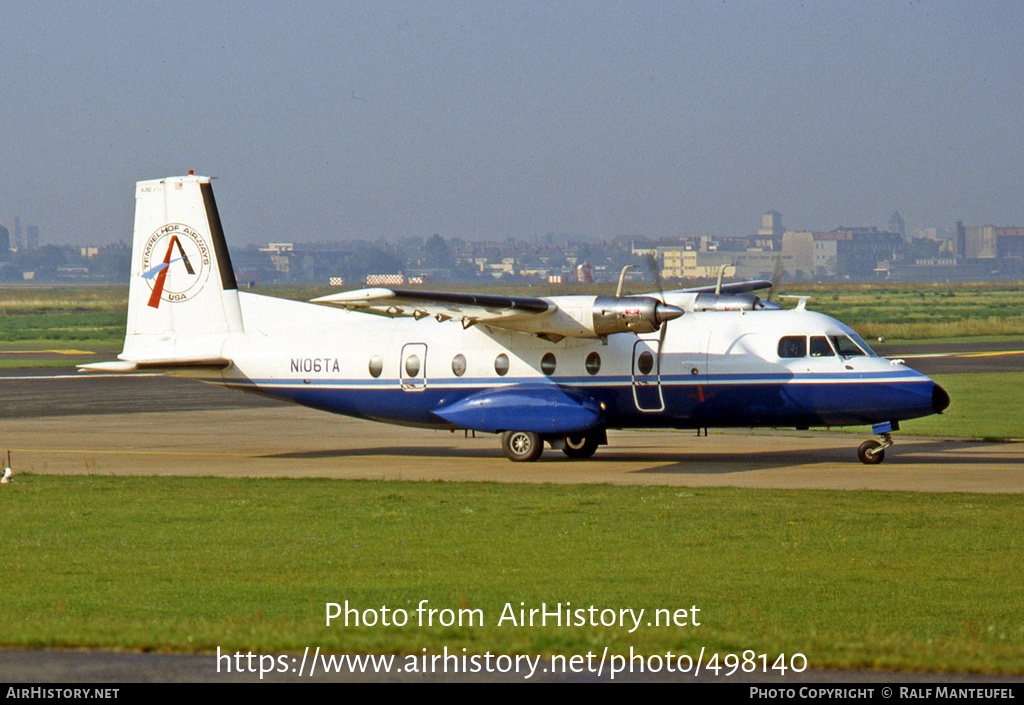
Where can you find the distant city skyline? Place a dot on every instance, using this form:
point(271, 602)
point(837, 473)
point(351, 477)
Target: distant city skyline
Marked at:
point(327, 120)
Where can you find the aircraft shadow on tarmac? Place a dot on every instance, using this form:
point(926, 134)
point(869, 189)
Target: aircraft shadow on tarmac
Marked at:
point(920, 454)
point(687, 461)
point(387, 451)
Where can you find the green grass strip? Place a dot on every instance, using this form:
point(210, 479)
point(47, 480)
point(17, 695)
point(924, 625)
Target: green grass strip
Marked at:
point(850, 579)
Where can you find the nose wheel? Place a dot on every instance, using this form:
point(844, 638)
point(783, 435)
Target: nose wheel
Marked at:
point(873, 452)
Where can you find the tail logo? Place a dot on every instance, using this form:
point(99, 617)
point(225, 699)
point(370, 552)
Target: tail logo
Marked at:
point(184, 267)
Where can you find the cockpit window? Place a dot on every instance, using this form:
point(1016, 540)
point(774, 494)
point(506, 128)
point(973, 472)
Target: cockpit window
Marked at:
point(820, 347)
point(793, 346)
point(846, 347)
point(862, 345)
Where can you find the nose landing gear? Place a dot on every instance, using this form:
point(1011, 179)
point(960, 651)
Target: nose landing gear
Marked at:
point(873, 452)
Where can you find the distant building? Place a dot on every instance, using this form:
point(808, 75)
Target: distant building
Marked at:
point(856, 252)
point(990, 249)
point(798, 251)
point(771, 227)
point(896, 224)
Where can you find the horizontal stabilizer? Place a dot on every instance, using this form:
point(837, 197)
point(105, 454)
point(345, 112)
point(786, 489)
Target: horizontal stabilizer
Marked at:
point(129, 366)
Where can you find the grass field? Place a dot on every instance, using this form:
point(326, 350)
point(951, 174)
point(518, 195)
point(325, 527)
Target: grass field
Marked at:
point(852, 579)
point(82, 316)
point(96, 315)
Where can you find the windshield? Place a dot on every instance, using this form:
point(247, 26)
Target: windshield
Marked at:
point(863, 346)
point(847, 348)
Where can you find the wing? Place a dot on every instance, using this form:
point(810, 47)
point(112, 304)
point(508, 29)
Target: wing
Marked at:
point(470, 309)
point(553, 319)
point(732, 288)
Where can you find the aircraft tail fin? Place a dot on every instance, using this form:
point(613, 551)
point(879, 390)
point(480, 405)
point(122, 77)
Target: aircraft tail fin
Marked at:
point(183, 297)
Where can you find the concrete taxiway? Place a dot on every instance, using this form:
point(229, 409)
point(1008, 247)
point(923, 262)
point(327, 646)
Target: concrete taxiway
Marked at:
point(79, 424)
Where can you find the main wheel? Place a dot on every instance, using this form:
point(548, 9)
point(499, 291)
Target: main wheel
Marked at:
point(582, 445)
point(521, 446)
point(871, 458)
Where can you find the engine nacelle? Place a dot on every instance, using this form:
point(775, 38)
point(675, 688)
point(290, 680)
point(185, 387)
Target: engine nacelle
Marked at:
point(631, 314)
point(731, 302)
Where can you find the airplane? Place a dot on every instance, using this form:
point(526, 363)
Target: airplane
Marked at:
point(557, 370)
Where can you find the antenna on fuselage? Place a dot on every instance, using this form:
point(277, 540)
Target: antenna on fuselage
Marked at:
point(801, 304)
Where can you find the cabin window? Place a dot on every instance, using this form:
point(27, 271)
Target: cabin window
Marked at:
point(793, 346)
point(376, 366)
point(820, 347)
point(459, 365)
point(593, 363)
point(846, 347)
point(548, 364)
point(412, 365)
point(501, 364)
point(645, 363)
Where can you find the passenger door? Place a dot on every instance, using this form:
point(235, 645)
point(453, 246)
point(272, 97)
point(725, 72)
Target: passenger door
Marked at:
point(413, 367)
point(646, 375)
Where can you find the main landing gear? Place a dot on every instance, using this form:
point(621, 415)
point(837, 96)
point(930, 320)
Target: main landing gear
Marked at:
point(873, 452)
point(522, 446)
point(526, 446)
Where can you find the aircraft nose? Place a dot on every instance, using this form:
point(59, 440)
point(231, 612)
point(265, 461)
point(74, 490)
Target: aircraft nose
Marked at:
point(940, 399)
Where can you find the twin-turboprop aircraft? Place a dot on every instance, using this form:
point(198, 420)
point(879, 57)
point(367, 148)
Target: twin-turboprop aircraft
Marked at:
point(560, 370)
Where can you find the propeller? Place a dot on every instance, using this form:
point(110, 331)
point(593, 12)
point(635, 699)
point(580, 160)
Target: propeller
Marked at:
point(777, 276)
point(652, 266)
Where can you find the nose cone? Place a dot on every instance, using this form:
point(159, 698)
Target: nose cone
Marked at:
point(940, 399)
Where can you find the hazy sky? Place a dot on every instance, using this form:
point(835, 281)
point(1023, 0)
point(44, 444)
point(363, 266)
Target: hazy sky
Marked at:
point(326, 120)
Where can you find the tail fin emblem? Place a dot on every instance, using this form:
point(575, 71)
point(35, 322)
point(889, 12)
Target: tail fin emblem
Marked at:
point(192, 252)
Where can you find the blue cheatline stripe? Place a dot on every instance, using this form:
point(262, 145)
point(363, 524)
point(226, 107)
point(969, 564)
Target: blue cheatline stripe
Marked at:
point(908, 376)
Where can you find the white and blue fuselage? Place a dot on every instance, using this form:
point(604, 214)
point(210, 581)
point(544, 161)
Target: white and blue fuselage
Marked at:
point(712, 369)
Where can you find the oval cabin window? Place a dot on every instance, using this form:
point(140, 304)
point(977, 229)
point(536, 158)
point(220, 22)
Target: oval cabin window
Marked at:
point(459, 365)
point(501, 364)
point(376, 366)
point(645, 362)
point(548, 364)
point(412, 365)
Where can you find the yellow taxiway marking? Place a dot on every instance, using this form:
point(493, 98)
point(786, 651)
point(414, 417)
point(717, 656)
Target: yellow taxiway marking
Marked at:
point(47, 352)
point(993, 354)
point(205, 453)
point(140, 451)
